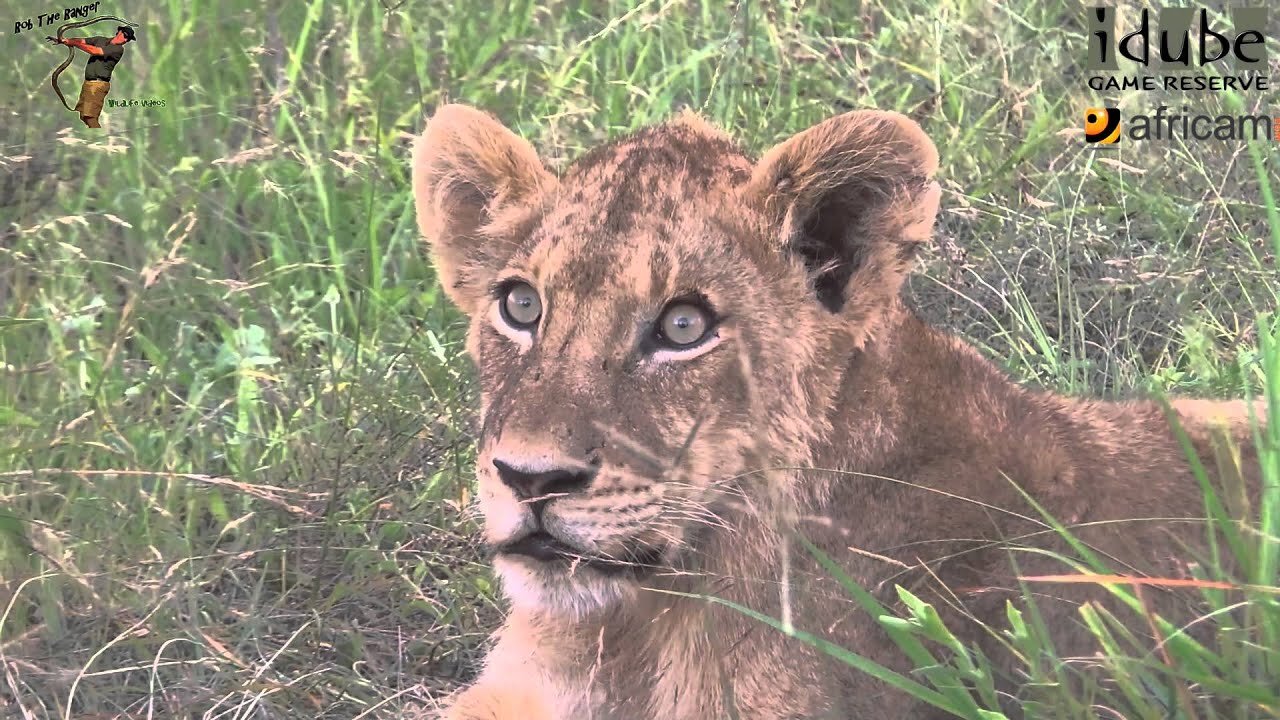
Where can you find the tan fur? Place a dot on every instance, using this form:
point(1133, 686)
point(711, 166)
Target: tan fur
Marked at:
point(821, 408)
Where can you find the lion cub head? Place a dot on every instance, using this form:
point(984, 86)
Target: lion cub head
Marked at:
point(656, 323)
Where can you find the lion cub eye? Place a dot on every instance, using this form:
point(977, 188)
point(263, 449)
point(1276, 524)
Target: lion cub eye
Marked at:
point(684, 324)
point(521, 306)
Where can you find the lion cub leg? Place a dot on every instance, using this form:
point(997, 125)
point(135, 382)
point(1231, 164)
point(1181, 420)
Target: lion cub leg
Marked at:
point(533, 672)
point(494, 700)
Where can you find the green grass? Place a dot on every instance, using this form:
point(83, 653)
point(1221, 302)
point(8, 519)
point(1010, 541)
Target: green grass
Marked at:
point(234, 412)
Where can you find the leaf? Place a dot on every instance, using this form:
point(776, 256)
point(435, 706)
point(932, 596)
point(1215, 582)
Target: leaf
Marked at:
point(14, 531)
point(10, 416)
point(1122, 166)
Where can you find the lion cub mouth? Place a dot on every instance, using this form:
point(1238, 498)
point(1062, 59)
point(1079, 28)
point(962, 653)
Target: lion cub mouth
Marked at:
point(544, 547)
point(541, 546)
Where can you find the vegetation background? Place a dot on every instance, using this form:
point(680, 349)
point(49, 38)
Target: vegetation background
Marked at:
point(234, 410)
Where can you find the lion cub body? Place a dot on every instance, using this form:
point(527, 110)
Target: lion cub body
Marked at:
point(816, 405)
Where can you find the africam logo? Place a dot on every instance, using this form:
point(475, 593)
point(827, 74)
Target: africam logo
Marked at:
point(1102, 126)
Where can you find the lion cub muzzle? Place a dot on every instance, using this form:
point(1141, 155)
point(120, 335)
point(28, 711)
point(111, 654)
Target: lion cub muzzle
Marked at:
point(535, 487)
point(549, 530)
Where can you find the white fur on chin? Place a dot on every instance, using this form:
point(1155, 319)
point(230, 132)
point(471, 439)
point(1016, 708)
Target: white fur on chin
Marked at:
point(573, 593)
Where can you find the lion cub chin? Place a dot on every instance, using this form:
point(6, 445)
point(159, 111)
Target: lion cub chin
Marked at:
point(690, 359)
point(554, 588)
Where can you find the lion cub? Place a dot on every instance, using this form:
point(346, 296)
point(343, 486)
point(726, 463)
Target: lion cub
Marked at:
point(688, 358)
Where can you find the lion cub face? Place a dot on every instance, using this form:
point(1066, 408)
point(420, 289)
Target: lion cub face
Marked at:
point(660, 321)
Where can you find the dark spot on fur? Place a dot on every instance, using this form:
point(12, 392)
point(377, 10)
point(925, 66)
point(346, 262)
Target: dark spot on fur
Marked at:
point(668, 207)
point(653, 170)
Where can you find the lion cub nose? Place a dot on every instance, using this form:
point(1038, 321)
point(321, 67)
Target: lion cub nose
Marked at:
point(559, 481)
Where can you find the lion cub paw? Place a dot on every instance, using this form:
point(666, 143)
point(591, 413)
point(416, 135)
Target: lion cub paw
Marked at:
point(487, 703)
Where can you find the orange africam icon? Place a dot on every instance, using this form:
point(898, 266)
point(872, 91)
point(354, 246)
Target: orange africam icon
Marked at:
point(1102, 125)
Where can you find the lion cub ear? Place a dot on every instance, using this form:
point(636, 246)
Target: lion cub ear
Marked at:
point(468, 172)
point(853, 197)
